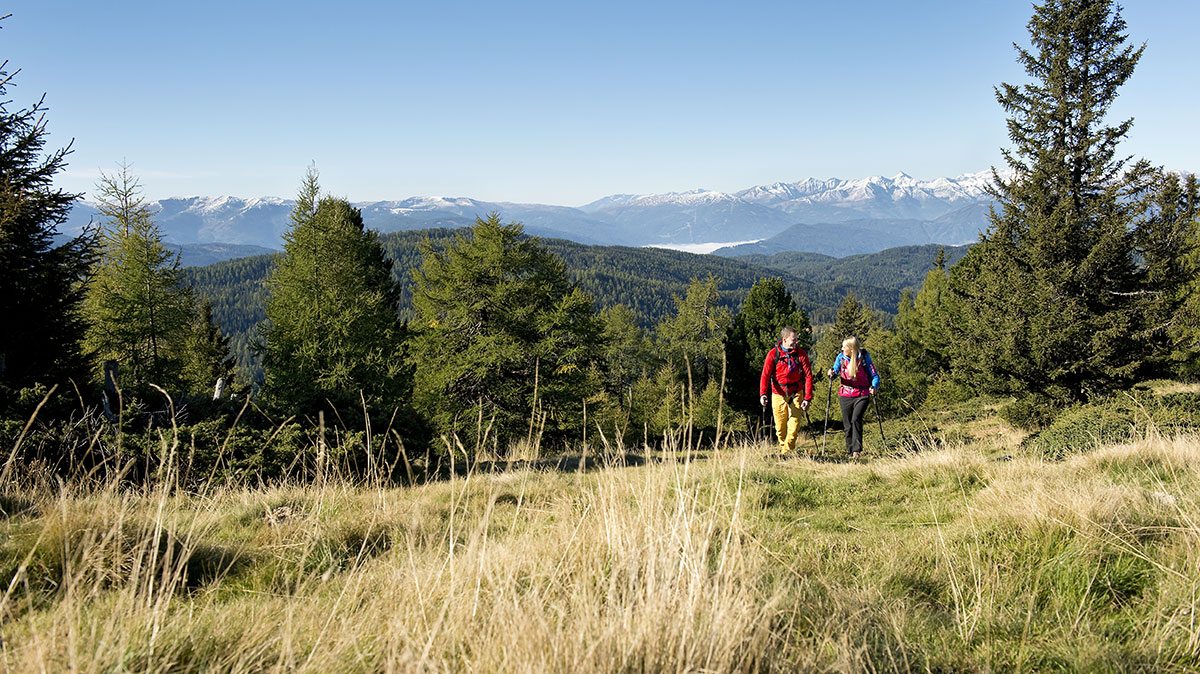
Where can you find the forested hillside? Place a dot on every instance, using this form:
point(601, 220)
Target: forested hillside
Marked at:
point(238, 295)
point(877, 278)
point(644, 279)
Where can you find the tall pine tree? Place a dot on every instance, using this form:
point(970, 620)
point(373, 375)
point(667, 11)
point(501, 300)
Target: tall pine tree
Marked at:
point(915, 351)
point(41, 281)
point(692, 342)
point(923, 322)
point(1184, 328)
point(1045, 298)
point(207, 356)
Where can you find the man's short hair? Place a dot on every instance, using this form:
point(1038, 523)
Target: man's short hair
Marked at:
point(787, 330)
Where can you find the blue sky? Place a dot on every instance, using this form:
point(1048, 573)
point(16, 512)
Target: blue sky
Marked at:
point(551, 102)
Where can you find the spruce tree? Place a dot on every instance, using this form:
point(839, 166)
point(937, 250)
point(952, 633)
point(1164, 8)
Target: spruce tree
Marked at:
point(916, 350)
point(1045, 297)
point(768, 307)
point(1165, 243)
point(139, 310)
point(1184, 328)
point(852, 318)
point(333, 338)
point(923, 325)
point(41, 282)
point(207, 355)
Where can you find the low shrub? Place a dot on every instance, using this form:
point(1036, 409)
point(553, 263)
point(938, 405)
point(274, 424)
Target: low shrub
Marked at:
point(1032, 412)
point(946, 391)
point(1084, 427)
point(1176, 412)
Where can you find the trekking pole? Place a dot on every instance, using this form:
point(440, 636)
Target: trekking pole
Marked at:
point(878, 416)
point(762, 424)
point(808, 425)
point(825, 431)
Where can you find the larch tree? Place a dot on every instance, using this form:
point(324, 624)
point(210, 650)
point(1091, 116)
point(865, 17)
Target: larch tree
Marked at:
point(503, 339)
point(693, 339)
point(333, 339)
point(692, 344)
point(138, 308)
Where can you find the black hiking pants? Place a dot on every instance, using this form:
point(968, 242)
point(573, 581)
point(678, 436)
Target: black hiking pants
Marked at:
point(854, 412)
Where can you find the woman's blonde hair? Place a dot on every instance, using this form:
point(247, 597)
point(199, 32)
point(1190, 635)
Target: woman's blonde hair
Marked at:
point(855, 355)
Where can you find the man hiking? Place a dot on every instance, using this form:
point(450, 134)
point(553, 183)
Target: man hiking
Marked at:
point(784, 369)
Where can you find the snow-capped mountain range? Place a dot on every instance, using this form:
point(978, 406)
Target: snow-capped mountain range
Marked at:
point(898, 196)
point(909, 210)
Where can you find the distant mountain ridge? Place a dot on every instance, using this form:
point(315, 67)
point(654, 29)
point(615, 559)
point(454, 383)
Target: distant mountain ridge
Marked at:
point(869, 235)
point(201, 254)
point(949, 210)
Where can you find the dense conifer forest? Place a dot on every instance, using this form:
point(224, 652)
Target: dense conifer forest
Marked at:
point(644, 279)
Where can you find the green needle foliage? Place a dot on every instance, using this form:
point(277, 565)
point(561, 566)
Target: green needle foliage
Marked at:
point(1168, 246)
point(333, 339)
point(41, 284)
point(502, 338)
point(852, 318)
point(912, 355)
point(768, 307)
point(208, 356)
point(1186, 328)
point(1047, 295)
point(693, 340)
point(686, 395)
point(628, 353)
point(138, 308)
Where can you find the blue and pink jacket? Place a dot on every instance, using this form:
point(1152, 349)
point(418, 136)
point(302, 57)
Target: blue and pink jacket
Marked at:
point(867, 376)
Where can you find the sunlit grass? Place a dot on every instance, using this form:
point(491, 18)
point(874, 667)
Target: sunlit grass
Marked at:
point(960, 557)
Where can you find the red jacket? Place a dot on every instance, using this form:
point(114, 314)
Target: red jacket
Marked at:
point(787, 370)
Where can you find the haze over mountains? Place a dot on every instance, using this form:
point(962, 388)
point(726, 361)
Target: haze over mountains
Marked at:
point(812, 215)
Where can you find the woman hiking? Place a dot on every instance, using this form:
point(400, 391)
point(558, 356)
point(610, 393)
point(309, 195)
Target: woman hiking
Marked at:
point(785, 372)
point(860, 379)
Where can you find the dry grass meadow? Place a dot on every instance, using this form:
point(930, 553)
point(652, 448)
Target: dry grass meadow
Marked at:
point(965, 556)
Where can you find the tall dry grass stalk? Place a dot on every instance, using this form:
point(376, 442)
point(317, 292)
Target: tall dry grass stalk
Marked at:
point(651, 570)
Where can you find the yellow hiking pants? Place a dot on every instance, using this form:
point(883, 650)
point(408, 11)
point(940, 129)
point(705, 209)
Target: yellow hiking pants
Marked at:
point(787, 420)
